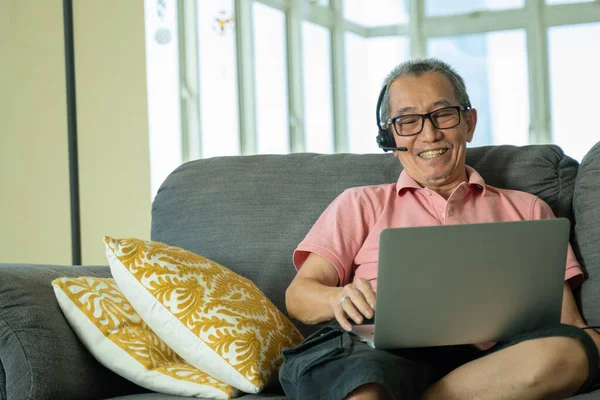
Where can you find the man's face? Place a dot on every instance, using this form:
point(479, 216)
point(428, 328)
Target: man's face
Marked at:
point(435, 157)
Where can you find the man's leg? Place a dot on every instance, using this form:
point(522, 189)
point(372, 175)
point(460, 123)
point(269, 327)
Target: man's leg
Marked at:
point(334, 364)
point(549, 364)
point(370, 391)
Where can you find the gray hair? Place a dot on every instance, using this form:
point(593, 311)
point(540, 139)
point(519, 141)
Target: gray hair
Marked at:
point(422, 66)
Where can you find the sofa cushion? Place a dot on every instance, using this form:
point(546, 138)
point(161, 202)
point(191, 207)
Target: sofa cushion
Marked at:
point(250, 212)
point(41, 355)
point(586, 208)
point(216, 320)
point(115, 334)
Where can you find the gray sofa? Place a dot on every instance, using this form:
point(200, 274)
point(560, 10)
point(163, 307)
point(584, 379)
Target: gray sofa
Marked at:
point(249, 213)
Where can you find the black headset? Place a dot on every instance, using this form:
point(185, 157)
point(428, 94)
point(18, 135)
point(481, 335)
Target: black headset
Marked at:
point(385, 138)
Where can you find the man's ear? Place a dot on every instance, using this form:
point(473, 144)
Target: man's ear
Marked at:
point(471, 118)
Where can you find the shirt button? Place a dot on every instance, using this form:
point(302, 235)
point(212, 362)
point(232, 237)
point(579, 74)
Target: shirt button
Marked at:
point(444, 214)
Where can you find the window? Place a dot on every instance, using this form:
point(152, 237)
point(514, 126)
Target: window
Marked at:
point(494, 67)
point(523, 66)
point(574, 87)
point(219, 122)
point(271, 80)
point(318, 113)
point(368, 62)
point(376, 12)
point(445, 7)
point(162, 72)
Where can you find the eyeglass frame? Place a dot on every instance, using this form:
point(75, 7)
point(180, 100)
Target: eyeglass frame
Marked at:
point(424, 117)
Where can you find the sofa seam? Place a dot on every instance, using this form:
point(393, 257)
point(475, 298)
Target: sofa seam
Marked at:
point(24, 353)
point(561, 184)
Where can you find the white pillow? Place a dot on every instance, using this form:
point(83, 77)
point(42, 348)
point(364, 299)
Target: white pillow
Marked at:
point(216, 320)
point(115, 334)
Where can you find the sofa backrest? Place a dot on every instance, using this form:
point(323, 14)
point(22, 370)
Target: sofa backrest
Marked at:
point(250, 212)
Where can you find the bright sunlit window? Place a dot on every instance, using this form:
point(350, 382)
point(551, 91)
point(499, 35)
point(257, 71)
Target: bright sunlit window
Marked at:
point(219, 122)
point(573, 79)
point(494, 67)
point(318, 112)
point(445, 7)
point(162, 72)
point(272, 125)
point(376, 12)
point(275, 76)
point(368, 62)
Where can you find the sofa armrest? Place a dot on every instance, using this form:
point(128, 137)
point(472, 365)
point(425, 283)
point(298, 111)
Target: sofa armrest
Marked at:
point(41, 356)
point(586, 208)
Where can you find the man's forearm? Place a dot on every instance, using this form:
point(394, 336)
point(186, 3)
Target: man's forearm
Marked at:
point(309, 301)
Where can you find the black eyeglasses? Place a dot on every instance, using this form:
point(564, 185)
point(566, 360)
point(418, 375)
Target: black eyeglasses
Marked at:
point(412, 124)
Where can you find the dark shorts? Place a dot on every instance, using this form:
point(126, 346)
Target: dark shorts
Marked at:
point(331, 363)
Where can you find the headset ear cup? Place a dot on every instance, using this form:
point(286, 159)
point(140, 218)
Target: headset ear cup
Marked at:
point(385, 139)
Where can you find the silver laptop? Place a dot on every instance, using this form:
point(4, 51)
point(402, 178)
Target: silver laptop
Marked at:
point(462, 284)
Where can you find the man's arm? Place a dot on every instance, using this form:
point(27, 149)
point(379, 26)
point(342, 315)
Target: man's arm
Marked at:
point(313, 295)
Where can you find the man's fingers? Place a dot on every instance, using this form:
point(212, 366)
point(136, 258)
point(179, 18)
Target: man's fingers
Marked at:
point(341, 318)
point(361, 304)
point(370, 297)
point(356, 303)
point(364, 297)
point(349, 307)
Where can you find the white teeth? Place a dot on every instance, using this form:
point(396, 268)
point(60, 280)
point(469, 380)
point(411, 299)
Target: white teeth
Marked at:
point(433, 153)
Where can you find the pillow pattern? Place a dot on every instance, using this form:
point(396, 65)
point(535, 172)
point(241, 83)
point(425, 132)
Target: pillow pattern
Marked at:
point(115, 334)
point(216, 320)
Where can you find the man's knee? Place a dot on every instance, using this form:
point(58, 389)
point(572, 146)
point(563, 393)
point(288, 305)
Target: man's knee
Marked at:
point(559, 364)
point(369, 391)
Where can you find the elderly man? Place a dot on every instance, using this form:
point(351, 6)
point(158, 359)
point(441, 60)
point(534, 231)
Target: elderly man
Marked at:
point(425, 109)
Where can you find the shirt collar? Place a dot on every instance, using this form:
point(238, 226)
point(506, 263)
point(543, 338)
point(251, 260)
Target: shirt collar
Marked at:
point(406, 182)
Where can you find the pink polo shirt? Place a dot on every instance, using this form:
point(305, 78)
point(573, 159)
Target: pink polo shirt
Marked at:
point(347, 233)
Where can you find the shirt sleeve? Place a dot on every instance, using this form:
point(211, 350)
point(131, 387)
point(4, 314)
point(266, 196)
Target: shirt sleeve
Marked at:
point(338, 234)
point(573, 274)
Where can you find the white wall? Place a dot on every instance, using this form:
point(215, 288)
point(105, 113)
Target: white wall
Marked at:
point(113, 132)
point(34, 178)
point(113, 123)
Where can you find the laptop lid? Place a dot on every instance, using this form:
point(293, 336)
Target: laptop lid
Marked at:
point(473, 283)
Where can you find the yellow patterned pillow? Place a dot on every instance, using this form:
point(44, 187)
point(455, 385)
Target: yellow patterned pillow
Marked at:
point(216, 320)
point(116, 335)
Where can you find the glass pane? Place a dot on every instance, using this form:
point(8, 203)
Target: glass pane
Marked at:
point(376, 12)
point(324, 3)
point(271, 80)
point(573, 55)
point(318, 116)
point(368, 61)
point(494, 67)
point(218, 78)
point(162, 69)
point(568, 1)
point(445, 7)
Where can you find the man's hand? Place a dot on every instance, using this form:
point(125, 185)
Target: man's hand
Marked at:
point(357, 301)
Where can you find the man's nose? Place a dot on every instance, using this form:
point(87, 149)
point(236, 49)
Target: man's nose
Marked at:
point(429, 133)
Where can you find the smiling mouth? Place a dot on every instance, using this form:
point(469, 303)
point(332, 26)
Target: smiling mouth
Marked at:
point(432, 153)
